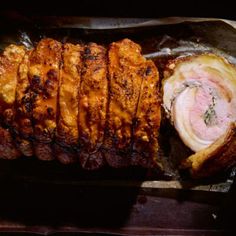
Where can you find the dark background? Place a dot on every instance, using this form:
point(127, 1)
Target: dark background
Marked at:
point(124, 8)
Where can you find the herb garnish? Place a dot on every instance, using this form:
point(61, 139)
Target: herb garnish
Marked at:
point(210, 117)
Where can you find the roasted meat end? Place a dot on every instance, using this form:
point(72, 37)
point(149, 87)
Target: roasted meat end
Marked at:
point(44, 67)
point(93, 96)
point(125, 78)
point(9, 63)
point(199, 96)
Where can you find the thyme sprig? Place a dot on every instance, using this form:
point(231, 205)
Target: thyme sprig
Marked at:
point(210, 117)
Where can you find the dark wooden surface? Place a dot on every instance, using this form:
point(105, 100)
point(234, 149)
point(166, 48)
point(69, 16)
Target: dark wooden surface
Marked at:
point(49, 208)
point(48, 198)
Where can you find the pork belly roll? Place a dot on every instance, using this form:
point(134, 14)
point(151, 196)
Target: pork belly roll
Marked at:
point(199, 96)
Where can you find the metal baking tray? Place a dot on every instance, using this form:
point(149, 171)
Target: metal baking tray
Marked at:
point(45, 198)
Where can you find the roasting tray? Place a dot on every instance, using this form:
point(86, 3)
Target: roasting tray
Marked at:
point(50, 198)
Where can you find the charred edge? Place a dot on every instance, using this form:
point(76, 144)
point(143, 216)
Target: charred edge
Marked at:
point(87, 56)
point(80, 70)
point(135, 121)
point(106, 131)
point(61, 65)
point(52, 79)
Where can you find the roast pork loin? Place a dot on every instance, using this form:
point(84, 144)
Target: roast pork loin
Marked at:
point(80, 103)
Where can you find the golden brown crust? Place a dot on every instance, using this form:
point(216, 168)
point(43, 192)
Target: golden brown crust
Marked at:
point(9, 63)
point(44, 81)
point(147, 119)
point(217, 157)
point(93, 94)
point(125, 75)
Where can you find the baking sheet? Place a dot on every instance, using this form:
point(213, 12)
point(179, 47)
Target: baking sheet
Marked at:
point(50, 197)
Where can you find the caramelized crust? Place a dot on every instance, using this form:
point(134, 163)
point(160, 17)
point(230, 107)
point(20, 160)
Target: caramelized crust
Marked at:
point(67, 125)
point(93, 97)
point(44, 80)
point(9, 63)
point(147, 119)
point(125, 74)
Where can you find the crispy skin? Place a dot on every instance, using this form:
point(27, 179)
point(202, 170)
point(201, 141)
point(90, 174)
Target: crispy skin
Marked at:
point(93, 96)
point(148, 117)
point(67, 125)
point(9, 63)
point(217, 157)
point(23, 125)
point(44, 80)
point(125, 75)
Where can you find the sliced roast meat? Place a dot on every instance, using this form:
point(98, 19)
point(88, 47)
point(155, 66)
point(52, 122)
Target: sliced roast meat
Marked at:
point(44, 81)
point(93, 98)
point(125, 78)
point(23, 121)
point(67, 122)
point(147, 119)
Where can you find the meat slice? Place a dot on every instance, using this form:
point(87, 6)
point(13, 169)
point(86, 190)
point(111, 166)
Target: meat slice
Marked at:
point(199, 96)
point(125, 77)
point(44, 80)
point(147, 119)
point(23, 127)
point(9, 63)
point(67, 125)
point(93, 97)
